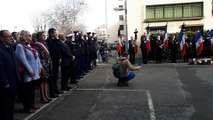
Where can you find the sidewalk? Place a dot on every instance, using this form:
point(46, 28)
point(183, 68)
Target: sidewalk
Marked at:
point(20, 115)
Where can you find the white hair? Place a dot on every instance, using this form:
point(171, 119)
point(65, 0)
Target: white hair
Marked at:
point(22, 35)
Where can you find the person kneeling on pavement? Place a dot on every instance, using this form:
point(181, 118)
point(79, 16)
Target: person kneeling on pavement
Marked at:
point(126, 73)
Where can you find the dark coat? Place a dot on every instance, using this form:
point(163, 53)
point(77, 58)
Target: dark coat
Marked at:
point(54, 49)
point(9, 70)
point(66, 54)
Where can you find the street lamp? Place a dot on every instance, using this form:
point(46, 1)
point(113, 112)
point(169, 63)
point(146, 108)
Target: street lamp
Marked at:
point(124, 9)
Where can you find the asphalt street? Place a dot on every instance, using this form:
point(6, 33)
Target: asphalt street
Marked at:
point(167, 91)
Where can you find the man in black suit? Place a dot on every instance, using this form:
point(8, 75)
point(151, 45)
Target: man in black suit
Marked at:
point(159, 50)
point(143, 48)
point(9, 75)
point(55, 54)
point(67, 63)
point(131, 51)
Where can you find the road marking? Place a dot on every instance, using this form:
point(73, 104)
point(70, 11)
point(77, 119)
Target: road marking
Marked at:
point(125, 90)
point(151, 106)
point(148, 94)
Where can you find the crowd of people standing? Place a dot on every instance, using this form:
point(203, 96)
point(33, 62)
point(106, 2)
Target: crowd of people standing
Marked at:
point(157, 51)
point(30, 59)
point(173, 52)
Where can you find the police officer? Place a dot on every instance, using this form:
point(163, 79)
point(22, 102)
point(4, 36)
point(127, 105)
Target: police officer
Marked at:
point(71, 43)
point(78, 55)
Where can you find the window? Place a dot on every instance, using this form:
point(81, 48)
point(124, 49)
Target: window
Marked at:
point(187, 11)
point(159, 12)
point(174, 11)
point(168, 11)
point(121, 27)
point(197, 10)
point(121, 17)
point(150, 13)
point(177, 11)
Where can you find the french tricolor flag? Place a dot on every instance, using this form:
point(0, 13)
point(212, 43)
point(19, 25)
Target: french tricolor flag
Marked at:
point(211, 38)
point(119, 46)
point(182, 42)
point(148, 46)
point(199, 42)
point(165, 42)
point(212, 8)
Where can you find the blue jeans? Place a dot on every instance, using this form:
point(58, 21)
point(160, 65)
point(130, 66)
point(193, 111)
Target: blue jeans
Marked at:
point(128, 78)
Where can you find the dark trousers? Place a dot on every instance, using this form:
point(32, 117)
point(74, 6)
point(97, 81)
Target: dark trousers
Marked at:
point(65, 74)
point(132, 57)
point(89, 62)
point(173, 57)
point(7, 100)
point(72, 74)
point(85, 63)
point(186, 58)
point(28, 95)
point(54, 78)
point(82, 65)
point(78, 67)
point(144, 56)
point(159, 56)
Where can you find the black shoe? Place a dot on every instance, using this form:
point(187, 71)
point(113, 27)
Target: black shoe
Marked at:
point(119, 84)
point(122, 84)
point(54, 95)
point(30, 111)
point(83, 74)
point(125, 83)
point(79, 77)
point(66, 89)
point(69, 88)
point(49, 99)
point(58, 92)
point(44, 101)
point(73, 82)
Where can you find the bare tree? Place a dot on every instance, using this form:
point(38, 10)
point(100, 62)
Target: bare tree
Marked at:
point(64, 15)
point(38, 22)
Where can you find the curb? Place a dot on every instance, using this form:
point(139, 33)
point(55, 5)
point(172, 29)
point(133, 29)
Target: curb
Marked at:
point(46, 107)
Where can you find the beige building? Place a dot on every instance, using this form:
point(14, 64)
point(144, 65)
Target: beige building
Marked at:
point(196, 14)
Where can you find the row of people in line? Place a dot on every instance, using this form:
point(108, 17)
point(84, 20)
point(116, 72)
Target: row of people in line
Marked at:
point(26, 59)
point(157, 49)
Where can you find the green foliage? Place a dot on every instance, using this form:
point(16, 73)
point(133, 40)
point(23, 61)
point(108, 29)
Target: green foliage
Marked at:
point(190, 33)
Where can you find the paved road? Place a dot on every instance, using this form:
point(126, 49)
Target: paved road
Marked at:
point(159, 92)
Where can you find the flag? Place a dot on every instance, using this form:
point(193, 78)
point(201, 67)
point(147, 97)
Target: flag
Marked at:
point(182, 42)
point(165, 42)
point(148, 46)
point(211, 38)
point(41, 46)
point(119, 46)
point(199, 42)
point(212, 8)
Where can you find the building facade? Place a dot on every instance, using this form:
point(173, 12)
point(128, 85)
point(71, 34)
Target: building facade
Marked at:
point(196, 14)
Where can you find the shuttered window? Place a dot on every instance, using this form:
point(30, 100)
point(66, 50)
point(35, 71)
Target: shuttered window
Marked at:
point(174, 11)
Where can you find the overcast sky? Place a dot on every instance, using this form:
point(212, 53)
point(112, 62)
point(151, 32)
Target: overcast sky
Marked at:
point(15, 14)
